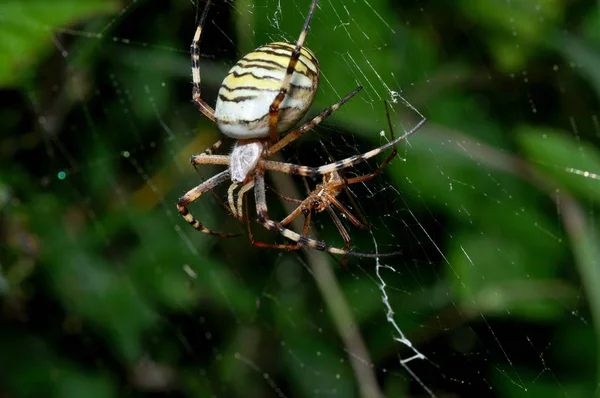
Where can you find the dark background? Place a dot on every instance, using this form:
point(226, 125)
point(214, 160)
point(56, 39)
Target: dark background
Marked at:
point(106, 291)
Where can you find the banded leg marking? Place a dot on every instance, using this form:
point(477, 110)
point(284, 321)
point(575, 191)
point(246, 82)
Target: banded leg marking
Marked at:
point(202, 106)
point(194, 194)
point(285, 85)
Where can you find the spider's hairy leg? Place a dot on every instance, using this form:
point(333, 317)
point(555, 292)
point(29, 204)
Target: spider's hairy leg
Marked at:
point(195, 162)
point(194, 194)
point(204, 158)
point(342, 231)
point(294, 246)
point(306, 171)
point(224, 160)
point(202, 106)
point(285, 85)
point(263, 218)
point(240, 199)
point(363, 223)
point(300, 209)
point(215, 147)
point(286, 198)
point(353, 160)
point(237, 210)
point(300, 131)
point(374, 174)
point(209, 159)
point(230, 201)
point(349, 216)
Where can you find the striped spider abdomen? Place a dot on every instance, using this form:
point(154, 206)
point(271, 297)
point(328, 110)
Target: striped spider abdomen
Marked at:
point(247, 92)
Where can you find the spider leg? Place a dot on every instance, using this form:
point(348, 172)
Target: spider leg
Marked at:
point(300, 131)
point(214, 147)
point(261, 210)
point(241, 194)
point(343, 232)
point(364, 224)
point(194, 162)
point(294, 214)
point(286, 198)
point(307, 216)
point(385, 162)
point(193, 195)
point(285, 85)
point(351, 217)
point(230, 200)
point(206, 109)
point(291, 247)
point(307, 171)
point(195, 54)
point(209, 159)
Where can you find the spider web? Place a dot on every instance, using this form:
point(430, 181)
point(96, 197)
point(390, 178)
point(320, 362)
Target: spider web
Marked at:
point(493, 211)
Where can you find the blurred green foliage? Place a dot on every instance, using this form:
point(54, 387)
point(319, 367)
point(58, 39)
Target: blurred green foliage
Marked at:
point(107, 292)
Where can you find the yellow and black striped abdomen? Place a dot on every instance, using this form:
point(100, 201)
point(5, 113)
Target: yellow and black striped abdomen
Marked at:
point(242, 109)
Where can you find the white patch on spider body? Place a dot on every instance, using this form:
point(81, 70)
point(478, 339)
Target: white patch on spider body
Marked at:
point(243, 159)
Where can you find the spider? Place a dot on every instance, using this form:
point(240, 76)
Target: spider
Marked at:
point(264, 95)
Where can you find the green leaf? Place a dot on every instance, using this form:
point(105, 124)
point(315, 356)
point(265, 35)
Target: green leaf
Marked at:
point(28, 29)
